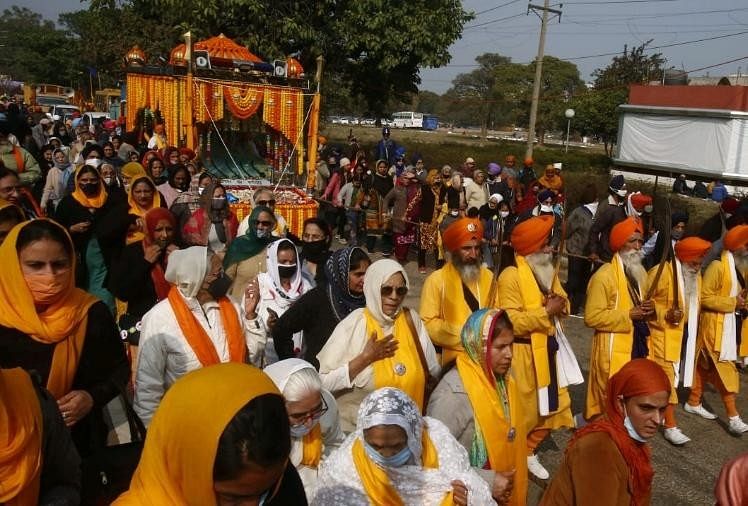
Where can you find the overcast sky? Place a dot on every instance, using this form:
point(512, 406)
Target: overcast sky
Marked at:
point(587, 28)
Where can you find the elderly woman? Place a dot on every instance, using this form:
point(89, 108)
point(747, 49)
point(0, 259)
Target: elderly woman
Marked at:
point(319, 310)
point(477, 401)
point(245, 258)
point(141, 198)
point(381, 345)
point(269, 296)
point(214, 444)
point(64, 334)
point(195, 326)
point(396, 456)
point(312, 415)
point(213, 225)
point(56, 183)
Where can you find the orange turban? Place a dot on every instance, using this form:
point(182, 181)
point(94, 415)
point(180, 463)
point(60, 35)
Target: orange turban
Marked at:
point(530, 235)
point(736, 237)
point(460, 232)
point(691, 248)
point(622, 232)
point(640, 201)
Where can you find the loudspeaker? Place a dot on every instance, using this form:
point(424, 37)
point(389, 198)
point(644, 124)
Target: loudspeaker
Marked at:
point(280, 68)
point(202, 59)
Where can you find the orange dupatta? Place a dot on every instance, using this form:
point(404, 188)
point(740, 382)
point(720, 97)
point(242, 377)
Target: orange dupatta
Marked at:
point(138, 211)
point(377, 485)
point(199, 340)
point(312, 447)
point(62, 324)
point(20, 439)
point(89, 203)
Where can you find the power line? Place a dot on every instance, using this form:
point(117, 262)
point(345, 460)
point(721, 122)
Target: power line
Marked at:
point(494, 21)
point(718, 64)
point(660, 14)
point(618, 2)
point(497, 7)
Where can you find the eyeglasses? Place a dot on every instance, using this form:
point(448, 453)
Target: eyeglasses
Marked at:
point(265, 223)
point(299, 419)
point(400, 291)
point(267, 203)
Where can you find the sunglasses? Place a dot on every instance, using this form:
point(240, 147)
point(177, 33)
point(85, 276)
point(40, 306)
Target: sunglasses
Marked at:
point(265, 223)
point(401, 291)
point(267, 203)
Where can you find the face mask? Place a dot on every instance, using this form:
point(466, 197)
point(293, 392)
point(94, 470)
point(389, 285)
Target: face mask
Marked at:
point(47, 288)
point(219, 286)
point(676, 235)
point(89, 189)
point(108, 180)
point(504, 214)
point(314, 250)
point(299, 431)
point(200, 190)
point(159, 180)
point(286, 271)
point(546, 209)
point(262, 234)
point(218, 203)
point(397, 460)
point(630, 428)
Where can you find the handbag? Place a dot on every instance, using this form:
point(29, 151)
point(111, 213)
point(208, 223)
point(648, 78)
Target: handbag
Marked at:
point(431, 381)
point(106, 474)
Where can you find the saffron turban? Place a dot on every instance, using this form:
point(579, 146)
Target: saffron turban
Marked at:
point(640, 201)
point(622, 232)
point(736, 237)
point(460, 232)
point(638, 377)
point(530, 235)
point(691, 249)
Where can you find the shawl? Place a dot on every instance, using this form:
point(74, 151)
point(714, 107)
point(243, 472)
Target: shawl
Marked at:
point(337, 267)
point(249, 244)
point(89, 202)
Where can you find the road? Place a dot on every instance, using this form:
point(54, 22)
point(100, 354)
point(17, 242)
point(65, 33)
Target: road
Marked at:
point(683, 475)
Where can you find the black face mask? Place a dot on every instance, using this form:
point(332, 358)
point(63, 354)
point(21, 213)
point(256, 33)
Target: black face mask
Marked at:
point(314, 251)
point(219, 286)
point(89, 189)
point(160, 180)
point(286, 271)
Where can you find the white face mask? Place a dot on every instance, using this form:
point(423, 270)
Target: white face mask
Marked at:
point(546, 208)
point(108, 180)
point(200, 190)
point(504, 214)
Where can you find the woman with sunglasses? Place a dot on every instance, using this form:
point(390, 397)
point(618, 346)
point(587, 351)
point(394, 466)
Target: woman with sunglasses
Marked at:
point(245, 258)
point(378, 346)
point(312, 415)
point(213, 444)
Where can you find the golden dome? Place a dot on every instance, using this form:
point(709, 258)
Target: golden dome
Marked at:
point(295, 69)
point(177, 55)
point(135, 56)
point(223, 47)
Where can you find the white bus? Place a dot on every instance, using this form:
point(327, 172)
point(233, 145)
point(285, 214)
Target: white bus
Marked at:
point(408, 119)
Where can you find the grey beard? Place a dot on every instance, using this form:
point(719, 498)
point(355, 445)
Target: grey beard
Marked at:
point(741, 262)
point(543, 268)
point(632, 264)
point(469, 273)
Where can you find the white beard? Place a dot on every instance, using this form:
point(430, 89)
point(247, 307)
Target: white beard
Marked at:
point(690, 284)
point(543, 268)
point(741, 262)
point(632, 264)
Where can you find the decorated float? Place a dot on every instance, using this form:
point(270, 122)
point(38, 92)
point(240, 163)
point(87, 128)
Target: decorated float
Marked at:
point(247, 119)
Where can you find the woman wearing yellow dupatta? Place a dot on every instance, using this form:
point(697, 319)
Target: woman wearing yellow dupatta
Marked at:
point(375, 347)
point(477, 401)
point(219, 437)
point(66, 335)
point(397, 457)
point(142, 196)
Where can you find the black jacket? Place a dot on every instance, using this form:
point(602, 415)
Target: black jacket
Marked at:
point(313, 314)
point(103, 369)
point(130, 281)
point(606, 217)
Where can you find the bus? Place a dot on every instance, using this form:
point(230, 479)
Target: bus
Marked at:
point(408, 119)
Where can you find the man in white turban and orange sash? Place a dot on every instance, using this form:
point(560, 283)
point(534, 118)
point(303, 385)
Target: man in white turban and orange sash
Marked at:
point(723, 305)
point(616, 309)
point(451, 294)
point(676, 296)
point(544, 363)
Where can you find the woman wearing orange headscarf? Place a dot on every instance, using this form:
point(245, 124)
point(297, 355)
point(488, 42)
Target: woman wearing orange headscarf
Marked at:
point(608, 461)
point(98, 226)
point(64, 334)
point(142, 196)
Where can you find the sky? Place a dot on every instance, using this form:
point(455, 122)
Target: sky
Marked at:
point(588, 28)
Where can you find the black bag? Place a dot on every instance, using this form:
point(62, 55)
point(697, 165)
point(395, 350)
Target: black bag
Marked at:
point(107, 473)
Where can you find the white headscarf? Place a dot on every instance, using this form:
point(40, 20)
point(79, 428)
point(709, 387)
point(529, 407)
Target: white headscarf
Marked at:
point(187, 269)
point(280, 371)
point(377, 275)
point(272, 278)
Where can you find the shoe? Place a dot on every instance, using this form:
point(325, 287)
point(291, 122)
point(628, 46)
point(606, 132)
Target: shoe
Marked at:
point(536, 468)
point(674, 436)
point(699, 410)
point(737, 425)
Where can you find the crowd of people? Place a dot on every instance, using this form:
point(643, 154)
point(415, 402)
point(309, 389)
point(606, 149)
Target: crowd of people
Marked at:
point(269, 368)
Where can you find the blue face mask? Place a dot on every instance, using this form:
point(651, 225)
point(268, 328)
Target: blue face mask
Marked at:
point(299, 431)
point(397, 460)
point(630, 428)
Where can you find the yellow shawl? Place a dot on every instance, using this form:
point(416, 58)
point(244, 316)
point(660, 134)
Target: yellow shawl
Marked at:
point(312, 447)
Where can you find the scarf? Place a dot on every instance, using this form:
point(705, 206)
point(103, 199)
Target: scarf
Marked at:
point(198, 339)
point(20, 439)
point(249, 244)
point(271, 282)
point(136, 210)
point(152, 218)
point(63, 324)
point(621, 343)
point(312, 447)
point(337, 267)
point(726, 332)
point(89, 202)
point(176, 467)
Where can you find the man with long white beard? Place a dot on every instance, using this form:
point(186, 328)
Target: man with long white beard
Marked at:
point(616, 310)
point(723, 300)
point(677, 322)
point(543, 365)
point(451, 294)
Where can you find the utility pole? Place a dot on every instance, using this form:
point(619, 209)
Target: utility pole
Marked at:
point(538, 70)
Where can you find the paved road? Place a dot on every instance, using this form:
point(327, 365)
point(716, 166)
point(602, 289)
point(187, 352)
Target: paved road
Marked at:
point(683, 475)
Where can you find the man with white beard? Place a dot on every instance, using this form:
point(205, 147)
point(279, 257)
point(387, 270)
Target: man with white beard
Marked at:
point(723, 299)
point(677, 322)
point(543, 364)
point(451, 294)
point(616, 311)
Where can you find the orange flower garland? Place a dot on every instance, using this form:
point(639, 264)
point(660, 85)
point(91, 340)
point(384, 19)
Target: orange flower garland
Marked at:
point(243, 103)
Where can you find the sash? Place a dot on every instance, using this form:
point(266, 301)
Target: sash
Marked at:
point(312, 447)
point(403, 370)
point(20, 162)
point(691, 330)
point(198, 339)
point(620, 343)
point(726, 337)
